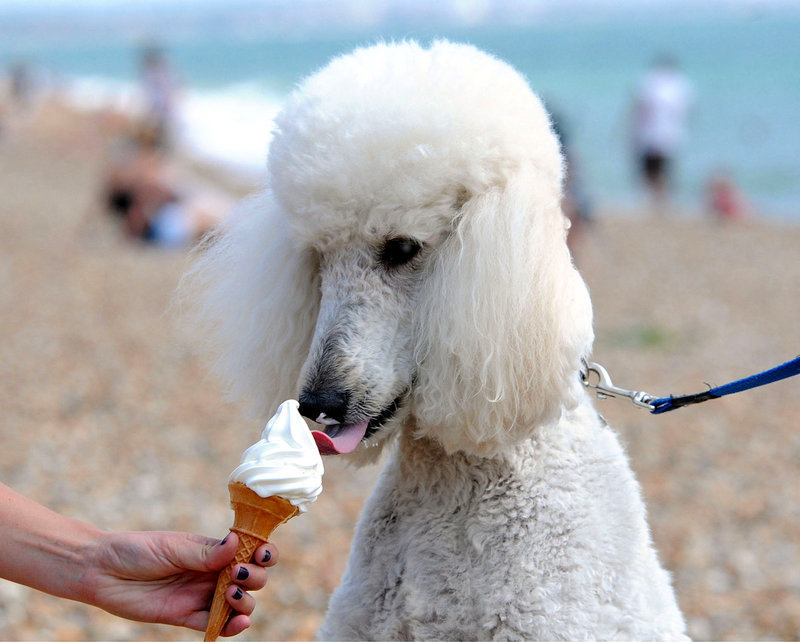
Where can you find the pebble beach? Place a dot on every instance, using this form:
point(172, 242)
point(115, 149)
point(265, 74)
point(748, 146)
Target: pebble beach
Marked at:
point(109, 415)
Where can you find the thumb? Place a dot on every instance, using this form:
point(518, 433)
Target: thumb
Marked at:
point(205, 554)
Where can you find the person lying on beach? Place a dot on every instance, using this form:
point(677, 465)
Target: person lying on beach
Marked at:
point(148, 576)
point(157, 205)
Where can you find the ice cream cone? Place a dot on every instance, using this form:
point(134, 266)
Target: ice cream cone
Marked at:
point(255, 518)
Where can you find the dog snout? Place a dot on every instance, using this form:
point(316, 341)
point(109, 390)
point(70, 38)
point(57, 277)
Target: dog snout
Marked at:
point(331, 404)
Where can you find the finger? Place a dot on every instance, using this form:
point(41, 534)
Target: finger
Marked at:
point(266, 555)
point(235, 625)
point(249, 576)
point(240, 600)
point(213, 556)
point(198, 553)
point(242, 603)
point(197, 621)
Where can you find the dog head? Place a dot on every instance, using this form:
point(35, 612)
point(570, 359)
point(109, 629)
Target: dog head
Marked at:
point(409, 266)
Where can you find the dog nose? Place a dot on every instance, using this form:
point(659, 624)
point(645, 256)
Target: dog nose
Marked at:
point(331, 404)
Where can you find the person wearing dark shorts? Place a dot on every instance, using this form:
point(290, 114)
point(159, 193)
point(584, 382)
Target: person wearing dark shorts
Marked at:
point(655, 167)
point(660, 109)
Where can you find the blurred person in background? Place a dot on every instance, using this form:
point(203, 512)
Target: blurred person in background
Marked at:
point(576, 204)
point(724, 200)
point(159, 94)
point(154, 200)
point(22, 85)
point(19, 90)
point(661, 106)
point(147, 576)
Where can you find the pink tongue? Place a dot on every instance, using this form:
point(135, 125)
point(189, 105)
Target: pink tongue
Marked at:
point(345, 442)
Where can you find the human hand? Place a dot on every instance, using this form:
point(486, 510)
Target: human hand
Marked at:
point(169, 578)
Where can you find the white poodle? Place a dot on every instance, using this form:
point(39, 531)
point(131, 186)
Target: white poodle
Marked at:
point(406, 275)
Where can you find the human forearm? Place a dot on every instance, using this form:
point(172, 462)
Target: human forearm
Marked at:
point(151, 576)
point(44, 550)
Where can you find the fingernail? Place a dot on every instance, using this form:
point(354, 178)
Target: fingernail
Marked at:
point(224, 539)
point(242, 573)
point(238, 594)
point(267, 557)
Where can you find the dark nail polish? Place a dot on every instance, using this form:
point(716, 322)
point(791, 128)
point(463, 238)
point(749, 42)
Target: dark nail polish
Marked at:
point(238, 594)
point(267, 557)
point(224, 539)
point(242, 573)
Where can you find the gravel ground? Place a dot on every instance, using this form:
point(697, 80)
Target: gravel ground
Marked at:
point(108, 414)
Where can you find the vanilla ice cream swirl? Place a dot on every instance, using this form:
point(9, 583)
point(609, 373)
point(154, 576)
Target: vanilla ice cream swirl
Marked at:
point(286, 462)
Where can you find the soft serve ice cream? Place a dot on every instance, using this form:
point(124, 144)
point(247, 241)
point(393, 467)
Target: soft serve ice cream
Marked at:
point(285, 462)
point(278, 478)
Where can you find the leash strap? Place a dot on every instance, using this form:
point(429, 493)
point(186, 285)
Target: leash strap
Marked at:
point(783, 371)
point(596, 377)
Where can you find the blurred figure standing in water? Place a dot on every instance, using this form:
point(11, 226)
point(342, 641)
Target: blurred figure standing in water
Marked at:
point(22, 85)
point(661, 106)
point(20, 93)
point(160, 95)
point(575, 203)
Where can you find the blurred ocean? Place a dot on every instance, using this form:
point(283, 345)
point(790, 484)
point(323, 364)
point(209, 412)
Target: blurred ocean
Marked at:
point(238, 61)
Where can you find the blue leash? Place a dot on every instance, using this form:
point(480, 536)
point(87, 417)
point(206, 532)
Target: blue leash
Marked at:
point(605, 388)
point(784, 371)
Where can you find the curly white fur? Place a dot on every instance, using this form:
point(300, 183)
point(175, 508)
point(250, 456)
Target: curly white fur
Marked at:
point(508, 509)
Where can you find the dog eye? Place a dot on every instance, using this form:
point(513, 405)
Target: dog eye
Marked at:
point(399, 251)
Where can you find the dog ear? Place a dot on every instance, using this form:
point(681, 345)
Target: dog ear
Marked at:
point(504, 319)
point(256, 296)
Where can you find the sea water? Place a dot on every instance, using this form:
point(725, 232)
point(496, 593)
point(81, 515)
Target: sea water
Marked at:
point(744, 67)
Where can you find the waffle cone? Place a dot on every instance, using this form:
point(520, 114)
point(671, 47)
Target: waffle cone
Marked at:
point(255, 518)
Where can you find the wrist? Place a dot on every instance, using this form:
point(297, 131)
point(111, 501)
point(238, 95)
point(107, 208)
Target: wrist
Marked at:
point(85, 561)
point(68, 562)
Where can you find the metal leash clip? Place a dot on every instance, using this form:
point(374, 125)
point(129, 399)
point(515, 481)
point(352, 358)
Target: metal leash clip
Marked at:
point(606, 388)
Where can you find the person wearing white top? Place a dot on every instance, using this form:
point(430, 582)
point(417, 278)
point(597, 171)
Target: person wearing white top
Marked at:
point(661, 108)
